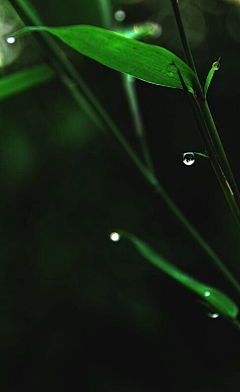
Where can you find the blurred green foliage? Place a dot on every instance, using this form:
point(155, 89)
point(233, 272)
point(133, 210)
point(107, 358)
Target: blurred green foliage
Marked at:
point(77, 311)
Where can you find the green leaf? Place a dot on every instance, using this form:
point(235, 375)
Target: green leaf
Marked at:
point(25, 79)
point(216, 300)
point(150, 63)
point(215, 67)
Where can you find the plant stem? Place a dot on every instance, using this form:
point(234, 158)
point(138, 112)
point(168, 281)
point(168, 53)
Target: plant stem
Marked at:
point(208, 131)
point(175, 210)
point(106, 11)
point(82, 94)
point(136, 114)
point(106, 14)
point(184, 40)
point(137, 120)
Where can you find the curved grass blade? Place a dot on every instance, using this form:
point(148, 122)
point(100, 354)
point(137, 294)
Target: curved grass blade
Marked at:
point(150, 63)
point(215, 299)
point(215, 67)
point(25, 79)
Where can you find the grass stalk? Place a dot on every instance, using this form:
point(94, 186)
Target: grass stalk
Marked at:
point(131, 93)
point(208, 131)
point(82, 94)
point(137, 120)
point(106, 12)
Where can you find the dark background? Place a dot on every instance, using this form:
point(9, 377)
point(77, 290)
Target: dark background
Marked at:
point(79, 312)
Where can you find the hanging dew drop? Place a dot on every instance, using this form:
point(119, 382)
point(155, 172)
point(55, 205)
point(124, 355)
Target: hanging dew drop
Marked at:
point(10, 40)
point(188, 158)
point(114, 236)
point(207, 294)
point(213, 315)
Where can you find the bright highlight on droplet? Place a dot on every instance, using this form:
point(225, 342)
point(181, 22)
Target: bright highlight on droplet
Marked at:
point(188, 158)
point(207, 294)
point(10, 40)
point(213, 315)
point(115, 237)
point(120, 15)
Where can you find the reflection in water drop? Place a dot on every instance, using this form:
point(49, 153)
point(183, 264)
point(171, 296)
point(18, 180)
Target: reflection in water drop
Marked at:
point(115, 237)
point(216, 65)
point(188, 160)
point(207, 294)
point(120, 15)
point(10, 40)
point(213, 315)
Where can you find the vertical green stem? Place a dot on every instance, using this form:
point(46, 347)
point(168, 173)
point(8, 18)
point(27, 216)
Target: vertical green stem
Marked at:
point(137, 120)
point(184, 40)
point(219, 147)
point(106, 14)
point(197, 237)
point(208, 131)
point(131, 93)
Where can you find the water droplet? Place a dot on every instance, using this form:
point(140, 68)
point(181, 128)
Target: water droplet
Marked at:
point(171, 70)
point(188, 158)
point(10, 40)
point(207, 293)
point(216, 65)
point(114, 236)
point(120, 15)
point(213, 315)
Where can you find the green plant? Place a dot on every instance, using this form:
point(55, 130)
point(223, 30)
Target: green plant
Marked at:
point(158, 66)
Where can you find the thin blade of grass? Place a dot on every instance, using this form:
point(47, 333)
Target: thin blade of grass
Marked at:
point(150, 63)
point(25, 79)
point(216, 300)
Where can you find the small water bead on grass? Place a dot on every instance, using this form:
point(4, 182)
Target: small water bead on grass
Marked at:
point(213, 315)
point(171, 69)
point(114, 236)
point(215, 300)
point(188, 158)
point(10, 40)
point(207, 294)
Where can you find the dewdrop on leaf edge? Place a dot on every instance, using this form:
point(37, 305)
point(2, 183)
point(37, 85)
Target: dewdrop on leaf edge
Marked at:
point(10, 40)
point(188, 158)
point(114, 236)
